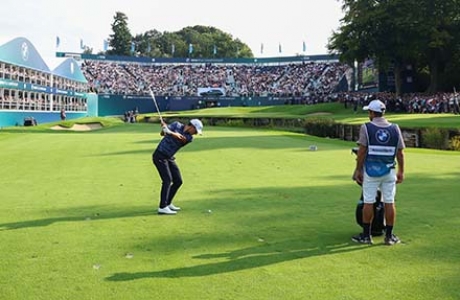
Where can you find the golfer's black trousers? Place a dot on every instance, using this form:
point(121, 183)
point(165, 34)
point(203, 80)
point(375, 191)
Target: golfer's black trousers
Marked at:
point(170, 176)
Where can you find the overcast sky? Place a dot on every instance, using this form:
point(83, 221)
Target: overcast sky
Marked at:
point(275, 22)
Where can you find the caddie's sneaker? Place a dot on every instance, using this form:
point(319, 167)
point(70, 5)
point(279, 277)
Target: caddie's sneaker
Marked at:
point(391, 240)
point(166, 211)
point(174, 208)
point(362, 239)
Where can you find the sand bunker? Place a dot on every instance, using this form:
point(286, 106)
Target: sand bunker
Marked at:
point(79, 127)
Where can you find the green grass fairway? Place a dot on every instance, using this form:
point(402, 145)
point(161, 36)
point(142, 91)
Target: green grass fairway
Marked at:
point(263, 217)
point(335, 111)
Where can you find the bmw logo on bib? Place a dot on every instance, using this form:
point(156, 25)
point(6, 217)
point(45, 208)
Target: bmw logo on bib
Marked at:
point(383, 136)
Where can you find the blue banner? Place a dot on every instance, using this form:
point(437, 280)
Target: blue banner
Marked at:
point(11, 84)
point(176, 60)
point(6, 83)
point(37, 88)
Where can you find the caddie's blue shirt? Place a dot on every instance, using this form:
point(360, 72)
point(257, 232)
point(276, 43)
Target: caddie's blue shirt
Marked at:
point(169, 145)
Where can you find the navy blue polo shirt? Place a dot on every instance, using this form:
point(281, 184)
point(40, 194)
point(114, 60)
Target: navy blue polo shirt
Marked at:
point(169, 145)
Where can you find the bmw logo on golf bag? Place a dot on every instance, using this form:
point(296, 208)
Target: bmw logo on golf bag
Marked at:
point(383, 136)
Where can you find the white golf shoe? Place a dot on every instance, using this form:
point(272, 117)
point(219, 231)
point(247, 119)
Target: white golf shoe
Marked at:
point(166, 211)
point(174, 208)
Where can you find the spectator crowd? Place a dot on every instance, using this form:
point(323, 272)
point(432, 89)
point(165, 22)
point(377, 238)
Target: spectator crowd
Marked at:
point(292, 80)
point(418, 103)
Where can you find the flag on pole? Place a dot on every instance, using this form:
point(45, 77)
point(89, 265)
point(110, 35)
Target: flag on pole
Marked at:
point(82, 45)
point(214, 51)
point(173, 49)
point(304, 47)
point(190, 48)
point(262, 48)
point(279, 48)
point(106, 45)
point(133, 47)
point(58, 42)
point(149, 48)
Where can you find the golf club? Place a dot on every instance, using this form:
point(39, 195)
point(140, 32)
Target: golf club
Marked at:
point(150, 92)
point(152, 95)
point(165, 128)
point(156, 104)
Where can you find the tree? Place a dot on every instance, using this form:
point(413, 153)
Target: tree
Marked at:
point(193, 41)
point(382, 30)
point(172, 45)
point(121, 39)
point(441, 39)
point(399, 32)
point(204, 39)
point(147, 43)
point(87, 50)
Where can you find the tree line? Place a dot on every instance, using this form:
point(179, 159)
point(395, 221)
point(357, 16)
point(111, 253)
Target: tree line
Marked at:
point(423, 34)
point(194, 42)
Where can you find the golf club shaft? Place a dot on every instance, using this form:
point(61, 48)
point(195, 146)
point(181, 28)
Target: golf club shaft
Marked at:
point(156, 105)
point(152, 96)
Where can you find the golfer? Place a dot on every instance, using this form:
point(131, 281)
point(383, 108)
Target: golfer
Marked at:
point(175, 136)
point(380, 142)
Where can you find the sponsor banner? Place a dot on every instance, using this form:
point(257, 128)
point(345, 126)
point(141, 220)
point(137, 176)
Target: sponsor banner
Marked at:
point(216, 60)
point(37, 88)
point(21, 86)
point(211, 92)
point(6, 83)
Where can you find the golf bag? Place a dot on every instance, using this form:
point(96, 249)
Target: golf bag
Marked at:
point(378, 222)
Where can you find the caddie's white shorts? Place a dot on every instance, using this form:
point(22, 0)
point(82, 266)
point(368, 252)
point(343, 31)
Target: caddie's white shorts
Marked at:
point(386, 184)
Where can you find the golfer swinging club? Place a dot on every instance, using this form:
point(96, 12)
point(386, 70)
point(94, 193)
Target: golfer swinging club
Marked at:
point(175, 136)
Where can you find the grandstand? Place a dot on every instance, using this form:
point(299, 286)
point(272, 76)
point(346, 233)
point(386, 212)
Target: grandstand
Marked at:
point(291, 80)
point(30, 90)
point(184, 83)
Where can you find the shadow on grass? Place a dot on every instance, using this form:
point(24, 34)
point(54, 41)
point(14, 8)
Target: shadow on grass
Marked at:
point(329, 241)
point(250, 258)
point(84, 214)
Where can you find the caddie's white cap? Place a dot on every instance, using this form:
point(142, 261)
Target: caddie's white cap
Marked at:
point(198, 125)
point(376, 105)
